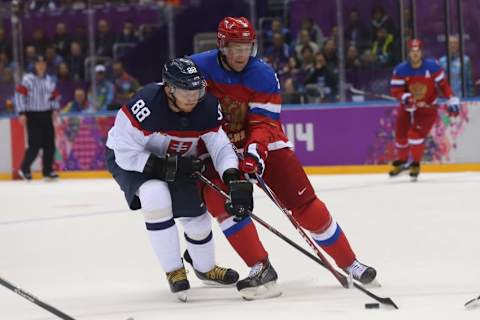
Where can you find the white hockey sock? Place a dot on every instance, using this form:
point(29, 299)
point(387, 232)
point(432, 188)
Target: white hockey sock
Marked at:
point(166, 245)
point(202, 253)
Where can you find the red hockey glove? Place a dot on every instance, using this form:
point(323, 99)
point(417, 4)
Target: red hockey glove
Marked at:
point(254, 159)
point(408, 102)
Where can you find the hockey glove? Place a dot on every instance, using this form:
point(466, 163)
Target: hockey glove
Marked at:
point(241, 194)
point(253, 160)
point(408, 102)
point(453, 105)
point(173, 168)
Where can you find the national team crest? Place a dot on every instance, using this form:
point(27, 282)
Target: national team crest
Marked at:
point(178, 147)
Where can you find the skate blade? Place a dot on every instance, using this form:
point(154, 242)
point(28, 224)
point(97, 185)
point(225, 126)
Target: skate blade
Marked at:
point(214, 284)
point(413, 179)
point(266, 291)
point(373, 284)
point(182, 295)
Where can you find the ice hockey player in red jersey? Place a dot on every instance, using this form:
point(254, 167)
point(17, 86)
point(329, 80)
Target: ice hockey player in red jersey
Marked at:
point(249, 94)
point(414, 83)
point(152, 155)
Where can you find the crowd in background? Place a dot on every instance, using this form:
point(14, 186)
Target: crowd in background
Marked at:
point(66, 56)
point(306, 62)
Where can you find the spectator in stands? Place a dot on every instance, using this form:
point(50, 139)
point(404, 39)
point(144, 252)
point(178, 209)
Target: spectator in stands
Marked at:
point(308, 58)
point(39, 40)
point(41, 5)
point(278, 54)
point(144, 32)
point(352, 60)
point(128, 34)
point(456, 71)
point(368, 60)
point(61, 40)
point(322, 78)
point(329, 51)
point(276, 27)
point(53, 60)
point(80, 36)
point(380, 19)
point(30, 56)
point(382, 47)
point(104, 40)
point(6, 75)
point(356, 32)
point(5, 44)
point(125, 85)
point(314, 31)
point(303, 41)
point(79, 102)
point(290, 93)
point(63, 73)
point(104, 91)
point(76, 61)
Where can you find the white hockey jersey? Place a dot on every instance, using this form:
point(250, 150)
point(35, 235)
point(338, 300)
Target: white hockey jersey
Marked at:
point(147, 125)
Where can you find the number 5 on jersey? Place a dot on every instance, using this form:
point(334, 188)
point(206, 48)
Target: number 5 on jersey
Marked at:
point(140, 110)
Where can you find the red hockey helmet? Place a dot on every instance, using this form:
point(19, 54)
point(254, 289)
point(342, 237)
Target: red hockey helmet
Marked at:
point(236, 29)
point(414, 44)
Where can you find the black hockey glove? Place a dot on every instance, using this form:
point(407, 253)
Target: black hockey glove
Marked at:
point(173, 168)
point(241, 194)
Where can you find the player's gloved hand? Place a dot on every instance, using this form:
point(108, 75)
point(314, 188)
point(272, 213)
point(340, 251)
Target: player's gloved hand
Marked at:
point(253, 160)
point(173, 168)
point(453, 105)
point(241, 194)
point(408, 102)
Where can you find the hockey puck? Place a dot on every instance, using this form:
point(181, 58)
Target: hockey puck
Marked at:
point(372, 305)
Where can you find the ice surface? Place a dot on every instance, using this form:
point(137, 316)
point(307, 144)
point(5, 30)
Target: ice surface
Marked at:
point(75, 245)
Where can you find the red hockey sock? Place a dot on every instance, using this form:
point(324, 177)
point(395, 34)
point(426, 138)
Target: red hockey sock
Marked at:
point(340, 251)
point(403, 153)
point(316, 218)
point(244, 239)
point(417, 152)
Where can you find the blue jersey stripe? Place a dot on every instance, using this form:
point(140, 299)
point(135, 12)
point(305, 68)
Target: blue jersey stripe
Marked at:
point(332, 239)
point(236, 227)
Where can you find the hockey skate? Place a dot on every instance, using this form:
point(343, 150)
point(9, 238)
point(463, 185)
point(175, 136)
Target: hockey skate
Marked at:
point(27, 176)
point(414, 171)
point(261, 282)
point(217, 277)
point(362, 273)
point(179, 284)
point(399, 166)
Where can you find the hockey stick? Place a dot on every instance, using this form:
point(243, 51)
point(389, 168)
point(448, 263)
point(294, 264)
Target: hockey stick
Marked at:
point(470, 303)
point(323, 261)
point(35, 300)
point(372, 94)
point(386, 301)
point(343, 280)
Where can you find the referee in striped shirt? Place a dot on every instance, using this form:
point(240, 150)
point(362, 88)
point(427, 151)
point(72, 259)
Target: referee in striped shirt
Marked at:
point(36, 100)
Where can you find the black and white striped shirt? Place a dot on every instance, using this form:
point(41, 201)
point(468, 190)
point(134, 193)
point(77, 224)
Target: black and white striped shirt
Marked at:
point(36, 94)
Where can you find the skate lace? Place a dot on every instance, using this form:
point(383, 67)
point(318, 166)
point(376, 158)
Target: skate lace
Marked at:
point(356, 269)
point(177, 275)
point(255, 270)
point(217, 273)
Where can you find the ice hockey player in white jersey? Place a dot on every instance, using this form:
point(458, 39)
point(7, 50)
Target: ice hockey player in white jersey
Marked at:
point(151, 153)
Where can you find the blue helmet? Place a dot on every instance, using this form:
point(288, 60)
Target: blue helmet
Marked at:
point(183, 73)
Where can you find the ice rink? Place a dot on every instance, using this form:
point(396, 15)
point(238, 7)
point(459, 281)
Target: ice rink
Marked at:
point(75, 245)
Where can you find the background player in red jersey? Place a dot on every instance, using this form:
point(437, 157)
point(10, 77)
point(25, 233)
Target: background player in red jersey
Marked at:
point(249, 94)
point(414, 84)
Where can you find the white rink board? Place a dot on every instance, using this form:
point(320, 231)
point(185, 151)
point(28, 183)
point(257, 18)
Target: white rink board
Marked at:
point(75, 245)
